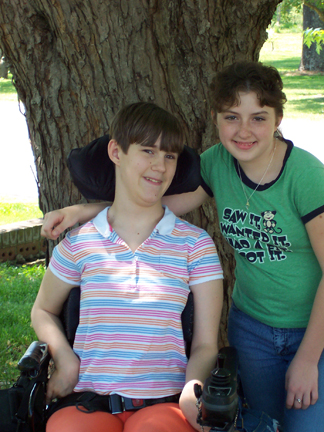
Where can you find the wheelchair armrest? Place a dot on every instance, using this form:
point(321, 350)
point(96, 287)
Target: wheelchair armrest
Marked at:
point(36, 355)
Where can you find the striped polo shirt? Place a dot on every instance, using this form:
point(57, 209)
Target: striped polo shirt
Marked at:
point(129, 338)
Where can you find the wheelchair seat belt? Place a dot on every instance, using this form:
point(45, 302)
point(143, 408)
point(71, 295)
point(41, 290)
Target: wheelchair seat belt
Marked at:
point(89, 402)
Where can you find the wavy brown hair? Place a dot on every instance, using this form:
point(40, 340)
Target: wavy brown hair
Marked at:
point(246, 77)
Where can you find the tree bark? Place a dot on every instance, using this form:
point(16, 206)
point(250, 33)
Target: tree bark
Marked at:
point(317, 6)
point(76, 63)
point(310, 60)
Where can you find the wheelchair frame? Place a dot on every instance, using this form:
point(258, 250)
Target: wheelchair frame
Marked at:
point(27, 398)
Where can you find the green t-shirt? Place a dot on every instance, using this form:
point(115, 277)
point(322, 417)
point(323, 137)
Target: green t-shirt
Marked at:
point(277, 273)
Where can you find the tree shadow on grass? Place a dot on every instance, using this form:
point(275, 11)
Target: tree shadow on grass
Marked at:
point(313, 105)
point(287, 64)
point(304, 82)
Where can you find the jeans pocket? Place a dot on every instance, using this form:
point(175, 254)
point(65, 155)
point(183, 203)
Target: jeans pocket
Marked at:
point(256, 421)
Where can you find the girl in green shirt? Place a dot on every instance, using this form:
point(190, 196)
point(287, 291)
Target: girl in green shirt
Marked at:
point(270, 202)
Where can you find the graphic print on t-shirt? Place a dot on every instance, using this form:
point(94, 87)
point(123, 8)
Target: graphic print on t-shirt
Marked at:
point(269, 222)
point(255, 237)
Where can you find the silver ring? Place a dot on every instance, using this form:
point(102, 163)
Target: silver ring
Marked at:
point(298, 400)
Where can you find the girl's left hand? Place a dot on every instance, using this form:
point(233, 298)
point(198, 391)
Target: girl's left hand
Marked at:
point(301, 384)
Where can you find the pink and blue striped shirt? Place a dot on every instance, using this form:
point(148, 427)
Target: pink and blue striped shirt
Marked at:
point(129, 338)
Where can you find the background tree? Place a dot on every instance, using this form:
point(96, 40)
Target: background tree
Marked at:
point(317, 6)
point(287, 9)
point(313, 24)
point(312, 56)
point(74, 64)
point(3, 66)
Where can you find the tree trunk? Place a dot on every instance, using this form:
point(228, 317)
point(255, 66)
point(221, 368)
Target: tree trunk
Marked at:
point(76, 63)
point(310, 60)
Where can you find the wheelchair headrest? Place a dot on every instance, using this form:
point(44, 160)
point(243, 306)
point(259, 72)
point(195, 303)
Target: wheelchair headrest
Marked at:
point(93, 172)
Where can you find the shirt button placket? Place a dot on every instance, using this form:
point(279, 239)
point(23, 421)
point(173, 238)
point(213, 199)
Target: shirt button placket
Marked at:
point(136, 269)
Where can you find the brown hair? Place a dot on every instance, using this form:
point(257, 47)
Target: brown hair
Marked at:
point(143, 123)
point(247, 76)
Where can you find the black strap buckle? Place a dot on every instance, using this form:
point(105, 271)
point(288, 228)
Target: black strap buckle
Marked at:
point(119, 404)
point(116, 404)
point(134, 404)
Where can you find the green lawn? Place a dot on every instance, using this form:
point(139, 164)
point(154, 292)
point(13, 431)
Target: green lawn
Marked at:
point(16, 212)
point(7, 90)
point(18, 289)
point(304, 90)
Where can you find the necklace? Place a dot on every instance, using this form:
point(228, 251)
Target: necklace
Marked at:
point(247, 205)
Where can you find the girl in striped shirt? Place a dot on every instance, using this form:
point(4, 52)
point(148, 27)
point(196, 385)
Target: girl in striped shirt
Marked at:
point(135, 263)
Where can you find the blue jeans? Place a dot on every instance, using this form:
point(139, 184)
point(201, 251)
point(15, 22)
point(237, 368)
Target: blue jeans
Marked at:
point(265, 354)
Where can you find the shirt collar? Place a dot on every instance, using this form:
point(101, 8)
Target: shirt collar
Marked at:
point(101, 223)
point(167, 223)
point(164, 227)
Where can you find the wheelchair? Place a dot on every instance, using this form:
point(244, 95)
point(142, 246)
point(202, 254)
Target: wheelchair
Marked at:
point(22, 407)
point(26, 399)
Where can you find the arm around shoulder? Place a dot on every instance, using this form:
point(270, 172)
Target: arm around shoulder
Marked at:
point(57, 221)
point(185, 202)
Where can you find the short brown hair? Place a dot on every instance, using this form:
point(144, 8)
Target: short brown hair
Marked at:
point(247, 76)
point(143, 123)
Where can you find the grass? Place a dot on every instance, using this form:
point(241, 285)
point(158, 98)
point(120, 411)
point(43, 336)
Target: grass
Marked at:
point(7, 90)
point(304, 90)
point(18, 289)
point(16, 212)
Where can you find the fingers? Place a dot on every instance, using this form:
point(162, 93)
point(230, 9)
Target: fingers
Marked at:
point(49, 234)
point(296, 402)
point(303, 401)
point(50, 395)
point(301, 384)
point(300, 401)
point(290, 400)
point(52, 233)
point(53, 225)
point(62, 383)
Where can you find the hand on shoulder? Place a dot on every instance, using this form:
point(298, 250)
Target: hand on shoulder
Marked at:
point(57, 221)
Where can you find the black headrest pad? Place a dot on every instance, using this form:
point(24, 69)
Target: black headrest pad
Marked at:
point(93, 172)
